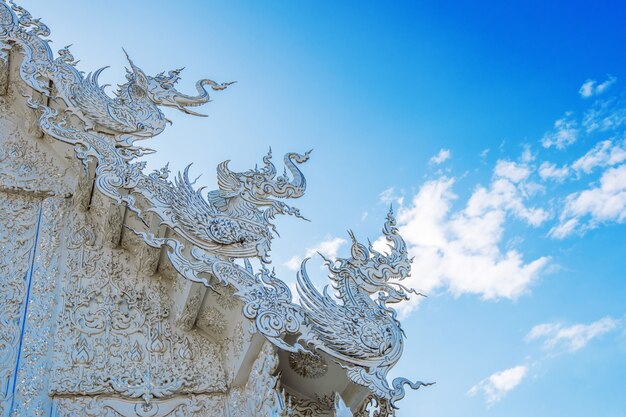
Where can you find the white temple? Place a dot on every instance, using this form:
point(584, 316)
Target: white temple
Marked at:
point(127, 293)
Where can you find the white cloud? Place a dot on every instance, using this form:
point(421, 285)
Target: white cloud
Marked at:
point(605, 153)
point(601, 88)
point(329, 248)
point(462, 250)
point(498, 385)
point(591, 88)
point(564, 133)
point(442, 156)
point(584, 210)
point(571, 338)
point(586, 90)
point(564, 228)
point(391, 196)
point(549, 171)
point(511, 170)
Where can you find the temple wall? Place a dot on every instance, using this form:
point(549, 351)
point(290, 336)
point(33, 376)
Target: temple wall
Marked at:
point(89, 325)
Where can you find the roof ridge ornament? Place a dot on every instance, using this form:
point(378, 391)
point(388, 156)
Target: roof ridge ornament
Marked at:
point(358, 328)
point(132, 114)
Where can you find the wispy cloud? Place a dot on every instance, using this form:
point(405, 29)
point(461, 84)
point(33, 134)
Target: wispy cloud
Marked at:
point(549, 171)
point(328, 247)
point(564, 133)
point(391, 196)
point(584, 210)
point(603, 154)
point(513, 171)
point(604, 115)
point(498, 385)
point(442, 156)
point(591, 87)
point(572, 338)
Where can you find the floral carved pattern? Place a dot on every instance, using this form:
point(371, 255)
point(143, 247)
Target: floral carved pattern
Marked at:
point(117, 325)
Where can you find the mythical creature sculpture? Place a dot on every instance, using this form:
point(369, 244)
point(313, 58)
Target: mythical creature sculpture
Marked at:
point(135, 108)
point(359, 330)
point(234, 220)
point(362, 332)
point(134, 111)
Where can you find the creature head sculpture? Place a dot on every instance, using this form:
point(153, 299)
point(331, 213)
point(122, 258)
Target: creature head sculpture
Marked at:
point(134, 111)
point(161, 90)
point(261, 187)
point(376, 272)
point(236, 219)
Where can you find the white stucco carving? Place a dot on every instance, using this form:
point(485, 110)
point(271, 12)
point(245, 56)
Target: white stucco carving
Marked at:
point(126, 293)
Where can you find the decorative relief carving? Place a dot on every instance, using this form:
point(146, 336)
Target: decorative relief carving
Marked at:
point(361, 333)
point(26, 168)
point(211, 319)
point(308, 365)
point(299, 407)
point(116, 321)
point(116, 324)
point(146, 257)
point(226, 299)
point(260, 396)
point(4, 68)
point(375, 407)
point(33, 382)
point(188, 314)
point(186, 406)
point(234, 345)
point(108, 218)
point(18, 219)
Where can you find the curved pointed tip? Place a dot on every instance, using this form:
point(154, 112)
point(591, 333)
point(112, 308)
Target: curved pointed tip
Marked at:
point(130, 61)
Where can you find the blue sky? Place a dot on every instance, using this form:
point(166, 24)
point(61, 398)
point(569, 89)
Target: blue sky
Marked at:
point(496, 129)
